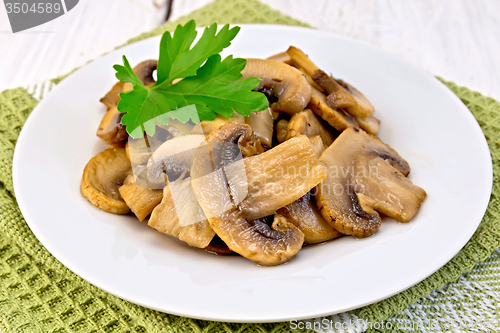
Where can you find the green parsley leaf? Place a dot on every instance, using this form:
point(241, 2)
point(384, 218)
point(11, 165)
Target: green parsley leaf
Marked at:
point(214, 88)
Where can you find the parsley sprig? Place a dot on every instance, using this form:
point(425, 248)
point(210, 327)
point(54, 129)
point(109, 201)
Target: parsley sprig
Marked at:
point(207, 83)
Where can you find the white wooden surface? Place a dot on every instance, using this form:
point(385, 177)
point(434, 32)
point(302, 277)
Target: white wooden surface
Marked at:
point(458, 40)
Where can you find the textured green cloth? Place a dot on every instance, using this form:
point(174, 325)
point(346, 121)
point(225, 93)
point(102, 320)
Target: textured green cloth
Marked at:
point(39, 294)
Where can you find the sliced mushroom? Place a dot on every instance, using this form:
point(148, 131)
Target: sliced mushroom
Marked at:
point(364, 107)
point(302, 60)
point(365, 176)
point(141, 201)
point(177, 128)
point(338, 96)
point(262, 126)
point(112, 98)
point(275, 178)
point(207, 127)
point(309, 79)
point(139, 150)
point(235, 133)
point(111, 130)
point(256, 241)
point(304, 215)
point(336, 118)
point(253, 239)
point(284, 82)
point(179, 215)
point(281, 130)
point(371, 124)
point(317, 145)
point(306, 123)
point(290, 61)
point(379, 192)
point(218, 247)
point(276, 114)
point(144, 71)
point(172, 157)
point(102, 177)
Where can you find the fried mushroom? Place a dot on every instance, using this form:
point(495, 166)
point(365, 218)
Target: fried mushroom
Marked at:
point(306, 123)
point(112, 97)
point(102, 177)
point(144, 71)
point(262, 126)
point(275, 178)
point(140, 150)
point(179, 215)
point(141, 201)
point(250, 237)
point(338, 119)
point(365, 176)
point(305, 216)
point(339, 97)
point(364, 108)
point(371, 124)
point(282, 81)
point(172, 157)
point(111, 130)
point(208, 126)
point(281, 130)
point(317, 145)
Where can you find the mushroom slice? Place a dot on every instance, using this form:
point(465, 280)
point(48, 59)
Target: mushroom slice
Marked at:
point(102, 177)
point(144, 71)
point(241, 138)
point(255, 240)
point(275, 178)
point(173, 157)
point(216, 173)
point(323, 80)
point(306, 123)
point(112, 98)
point(207, 127)
point(336, 118)
point(304, 215)
point(317, 145)
point(339, 97)
point(282, 81)
point(179, 215)
point(364, 107)
point(371, 124)
point(111, 130)
point(141, 201)
point(218, 247)
point(365, 176)
point(176, 128)
point(262, 126)
point(389, 191)
point(281, 130)
point(139, 150)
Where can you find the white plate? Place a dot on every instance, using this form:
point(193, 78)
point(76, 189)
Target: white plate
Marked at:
point(421, 118)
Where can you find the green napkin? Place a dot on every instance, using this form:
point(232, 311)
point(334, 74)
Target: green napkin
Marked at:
point(39, 294)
